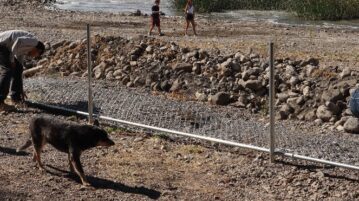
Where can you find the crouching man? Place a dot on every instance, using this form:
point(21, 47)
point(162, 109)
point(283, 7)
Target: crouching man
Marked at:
point(14, 46)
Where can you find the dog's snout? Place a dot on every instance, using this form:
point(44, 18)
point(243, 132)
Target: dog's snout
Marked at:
point(111, 143)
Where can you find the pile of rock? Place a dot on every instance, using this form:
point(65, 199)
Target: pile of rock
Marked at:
point(305, 91)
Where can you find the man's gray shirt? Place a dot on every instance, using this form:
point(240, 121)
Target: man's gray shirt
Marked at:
point(18, 42)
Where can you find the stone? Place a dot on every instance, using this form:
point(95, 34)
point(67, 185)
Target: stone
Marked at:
point(117, 73)
point(309, 70)
point(139, 81)
point(98, 73)
point(196, 68)
point(345, 73)
point(221, 98)
point(310, 61)
point(293, 81)
point(292, 102)
point(324, 113)
point(254, 85)
point(194, 54)
point(176, 86)
point(242, 58)
point(102, 66)
point(310, 115)
point(282, 97)
point(352, 125)
point(306, 91)
point(318, 122)
point(133, 63)
point(332, 95)
point(109, 75)
point(340, 128)
point(150, 78)
point(332, 107)
point(165, 86)
point(58, 44)
point(285, 111)
point(201, 96)
point(186, 67)
point(301, 100)
point(42, 61)
point(149, 49)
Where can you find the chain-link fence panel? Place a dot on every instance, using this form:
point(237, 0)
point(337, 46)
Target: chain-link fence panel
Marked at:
point(225, 123)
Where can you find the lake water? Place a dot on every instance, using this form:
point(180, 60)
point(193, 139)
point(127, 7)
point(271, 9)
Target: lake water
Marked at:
point(120, 6)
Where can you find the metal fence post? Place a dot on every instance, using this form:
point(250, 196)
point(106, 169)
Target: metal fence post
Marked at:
point(271, 103)
point(89, 68)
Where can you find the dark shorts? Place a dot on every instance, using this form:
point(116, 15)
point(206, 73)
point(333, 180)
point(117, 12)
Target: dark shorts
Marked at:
point(189, 17)
point(155, 21)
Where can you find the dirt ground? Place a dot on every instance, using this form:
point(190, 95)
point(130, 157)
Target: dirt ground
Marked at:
point(157, 166)
point(146, 167)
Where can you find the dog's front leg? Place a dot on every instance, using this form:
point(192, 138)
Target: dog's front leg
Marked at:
point(72, 170)
point(75, 160)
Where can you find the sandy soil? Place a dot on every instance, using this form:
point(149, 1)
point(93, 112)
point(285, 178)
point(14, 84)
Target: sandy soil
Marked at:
point(145, 167)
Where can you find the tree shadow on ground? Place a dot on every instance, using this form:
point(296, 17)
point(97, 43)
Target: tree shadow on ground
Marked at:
point(12, 151)
point(100, 183)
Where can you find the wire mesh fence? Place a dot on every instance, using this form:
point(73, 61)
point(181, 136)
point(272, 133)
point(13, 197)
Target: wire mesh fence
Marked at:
point(224, 123)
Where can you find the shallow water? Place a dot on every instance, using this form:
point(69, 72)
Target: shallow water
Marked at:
point(121, 6)
point(116, 6)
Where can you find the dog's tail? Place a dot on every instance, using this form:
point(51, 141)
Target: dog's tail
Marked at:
point(25, 146)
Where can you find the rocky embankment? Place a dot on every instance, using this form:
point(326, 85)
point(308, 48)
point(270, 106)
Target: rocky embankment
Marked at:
point(305, 90)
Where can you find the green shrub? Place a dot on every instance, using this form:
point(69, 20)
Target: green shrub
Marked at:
point(309, 9)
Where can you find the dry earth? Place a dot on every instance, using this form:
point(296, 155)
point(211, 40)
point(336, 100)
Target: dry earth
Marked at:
point(143, 167)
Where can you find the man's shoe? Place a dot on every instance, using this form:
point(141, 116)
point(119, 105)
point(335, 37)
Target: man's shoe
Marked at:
point(6, 108)
point(16, 103)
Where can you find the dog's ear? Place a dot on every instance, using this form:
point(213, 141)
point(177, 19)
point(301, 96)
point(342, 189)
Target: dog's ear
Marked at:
point(96, 123)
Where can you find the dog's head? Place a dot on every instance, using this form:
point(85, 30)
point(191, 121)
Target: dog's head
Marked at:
point(103, 139)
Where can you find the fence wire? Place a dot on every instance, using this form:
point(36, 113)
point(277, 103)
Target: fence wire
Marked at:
point(225, 123)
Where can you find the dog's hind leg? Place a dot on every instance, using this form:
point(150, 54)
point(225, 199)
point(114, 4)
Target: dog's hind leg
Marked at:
point(25, 146)
point(37, 153)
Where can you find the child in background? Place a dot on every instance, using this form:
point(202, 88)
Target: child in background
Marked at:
point(189, 10)
point(155, 18)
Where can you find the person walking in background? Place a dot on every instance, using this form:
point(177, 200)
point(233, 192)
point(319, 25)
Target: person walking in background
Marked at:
point(189, 11)
point(155, 18)
point(14, 46)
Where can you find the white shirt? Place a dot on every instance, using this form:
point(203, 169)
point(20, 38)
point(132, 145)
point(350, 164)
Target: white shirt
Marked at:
point(190, 10)
point(18, 42)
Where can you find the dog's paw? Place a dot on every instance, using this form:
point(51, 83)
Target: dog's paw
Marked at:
point(86, 186)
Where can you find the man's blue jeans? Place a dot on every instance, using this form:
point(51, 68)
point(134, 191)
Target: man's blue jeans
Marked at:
point(354, 103)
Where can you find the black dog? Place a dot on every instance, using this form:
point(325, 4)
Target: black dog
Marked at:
point(70, 138)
